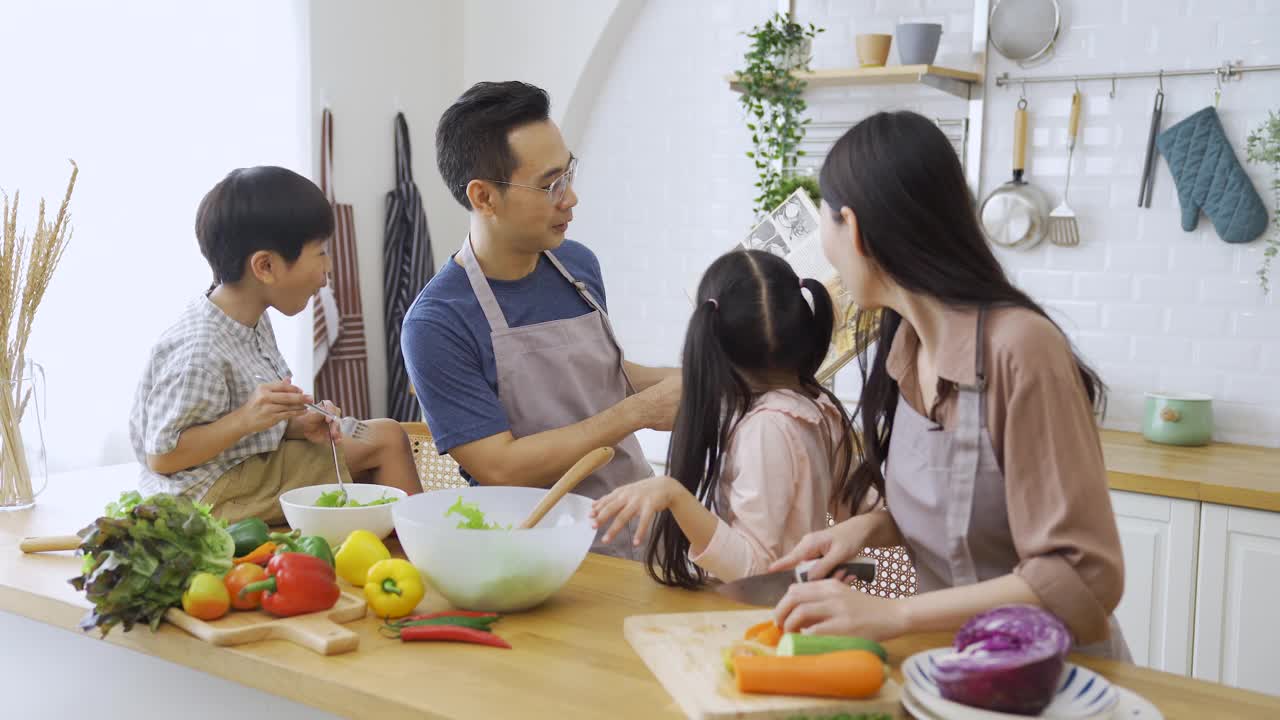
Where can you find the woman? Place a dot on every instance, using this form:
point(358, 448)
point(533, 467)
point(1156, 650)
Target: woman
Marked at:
point(976, 417)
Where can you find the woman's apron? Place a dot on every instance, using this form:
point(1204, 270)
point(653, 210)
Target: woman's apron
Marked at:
point(558, 373)
point(947, 495)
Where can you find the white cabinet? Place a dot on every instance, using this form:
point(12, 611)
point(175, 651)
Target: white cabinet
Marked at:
point(1237, 626)
point(1158, 537)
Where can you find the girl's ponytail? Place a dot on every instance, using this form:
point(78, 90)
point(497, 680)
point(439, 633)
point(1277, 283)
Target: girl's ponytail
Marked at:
point(824, 320)
point(711, 388)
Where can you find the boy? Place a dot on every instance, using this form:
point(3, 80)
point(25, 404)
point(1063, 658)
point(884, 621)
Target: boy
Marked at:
point(215, 416)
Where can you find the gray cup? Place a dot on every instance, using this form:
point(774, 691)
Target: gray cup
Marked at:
point(918, 43)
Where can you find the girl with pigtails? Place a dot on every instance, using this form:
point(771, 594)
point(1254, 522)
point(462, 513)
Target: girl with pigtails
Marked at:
point(760, 452)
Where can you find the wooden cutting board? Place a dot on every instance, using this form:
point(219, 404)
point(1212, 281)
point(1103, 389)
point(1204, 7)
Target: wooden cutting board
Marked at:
point(684, 652)
point(318, 632)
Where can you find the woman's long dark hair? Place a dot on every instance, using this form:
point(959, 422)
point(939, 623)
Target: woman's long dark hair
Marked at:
point(901, 178)
point(751, 318)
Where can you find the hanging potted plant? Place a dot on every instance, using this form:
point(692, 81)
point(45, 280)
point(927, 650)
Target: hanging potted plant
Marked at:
point(773, 97)
point(1264, 148)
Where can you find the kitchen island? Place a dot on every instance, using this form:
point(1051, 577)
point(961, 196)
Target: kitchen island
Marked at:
point(569, 658)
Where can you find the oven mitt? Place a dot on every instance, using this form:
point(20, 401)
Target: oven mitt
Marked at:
point(1209, 177)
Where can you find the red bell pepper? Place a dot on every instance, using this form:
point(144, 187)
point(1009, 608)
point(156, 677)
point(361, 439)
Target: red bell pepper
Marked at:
point(297, 584)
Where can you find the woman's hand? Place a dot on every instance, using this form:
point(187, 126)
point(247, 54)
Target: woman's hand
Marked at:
point(641, 500)
point(830, 607)
point(835, 545)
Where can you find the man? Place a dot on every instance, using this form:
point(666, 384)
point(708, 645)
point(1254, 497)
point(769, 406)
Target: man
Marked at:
point(509, 347)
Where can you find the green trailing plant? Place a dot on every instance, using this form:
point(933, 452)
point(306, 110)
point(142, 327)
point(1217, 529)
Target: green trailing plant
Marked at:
point(773, 98)
point(791, 183)
point(1264, 148)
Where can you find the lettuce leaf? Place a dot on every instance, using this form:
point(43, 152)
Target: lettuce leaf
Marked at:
point(473, 518)
point(140, 554)
point(333, 499)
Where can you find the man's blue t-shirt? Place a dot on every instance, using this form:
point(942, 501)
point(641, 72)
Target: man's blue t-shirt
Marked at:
point(448, 351)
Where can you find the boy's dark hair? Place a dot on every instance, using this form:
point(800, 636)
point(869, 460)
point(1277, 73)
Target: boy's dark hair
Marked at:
point(259, 208)
point(751, 317)
point(471, 140)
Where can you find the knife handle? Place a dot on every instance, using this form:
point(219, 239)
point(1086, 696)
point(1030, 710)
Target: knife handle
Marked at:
point(863, 569)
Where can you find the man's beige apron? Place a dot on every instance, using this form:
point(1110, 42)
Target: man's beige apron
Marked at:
point(946, 492)
point(558, 373)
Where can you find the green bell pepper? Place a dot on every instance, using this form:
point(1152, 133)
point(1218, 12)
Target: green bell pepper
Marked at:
point(248, 535)
point(312, 545)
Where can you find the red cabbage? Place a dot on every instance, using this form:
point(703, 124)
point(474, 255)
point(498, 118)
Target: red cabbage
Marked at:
point(1008, 660)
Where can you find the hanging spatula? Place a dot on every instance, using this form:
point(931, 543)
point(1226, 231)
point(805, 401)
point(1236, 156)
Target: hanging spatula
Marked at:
point(1063, 230)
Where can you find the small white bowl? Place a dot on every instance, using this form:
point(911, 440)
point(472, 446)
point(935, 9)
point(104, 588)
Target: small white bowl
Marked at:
point(335, 524)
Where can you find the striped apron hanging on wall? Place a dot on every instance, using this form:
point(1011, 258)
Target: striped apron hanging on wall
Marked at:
point(341, 357)
point(407, 266)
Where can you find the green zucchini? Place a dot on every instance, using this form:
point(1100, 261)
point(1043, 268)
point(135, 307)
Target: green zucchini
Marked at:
point(798, 644)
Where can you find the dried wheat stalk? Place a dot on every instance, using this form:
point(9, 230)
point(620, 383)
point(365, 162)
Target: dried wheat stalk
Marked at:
point(27, 265)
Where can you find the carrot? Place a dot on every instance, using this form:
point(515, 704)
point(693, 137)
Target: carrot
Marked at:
point(856, 674)
point(765, 633)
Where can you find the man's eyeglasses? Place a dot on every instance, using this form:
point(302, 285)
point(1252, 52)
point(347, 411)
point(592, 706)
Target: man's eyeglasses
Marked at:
point(558, 187)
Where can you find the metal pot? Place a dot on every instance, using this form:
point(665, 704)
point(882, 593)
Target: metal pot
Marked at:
point(1178, 418)
point(1016, 214)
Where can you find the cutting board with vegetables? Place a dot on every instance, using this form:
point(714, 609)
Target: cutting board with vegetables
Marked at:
point(685, 652)
point(318, 632)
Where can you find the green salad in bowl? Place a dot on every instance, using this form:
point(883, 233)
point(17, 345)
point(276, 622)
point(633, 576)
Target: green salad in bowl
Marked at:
point(333, 499)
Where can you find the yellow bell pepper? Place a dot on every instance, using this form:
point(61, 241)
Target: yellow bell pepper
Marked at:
point(394, 588)
point(361, 550)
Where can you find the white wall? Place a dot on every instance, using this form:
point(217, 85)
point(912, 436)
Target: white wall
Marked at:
point(566, 47)
point(150, 100)
point(1151, 306)
point(370, 60)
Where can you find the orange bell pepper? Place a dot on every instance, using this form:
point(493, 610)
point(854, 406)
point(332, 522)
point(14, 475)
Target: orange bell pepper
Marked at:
point(765, 633)
point(261, 555)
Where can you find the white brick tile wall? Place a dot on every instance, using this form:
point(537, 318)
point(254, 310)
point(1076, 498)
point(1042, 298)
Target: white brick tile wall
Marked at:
point(1271, 360)
point(1162, 351)
point(1103, 286)
point(1229, 355)
point(1198, 321)
point(1152, 306)
point(1125, 318)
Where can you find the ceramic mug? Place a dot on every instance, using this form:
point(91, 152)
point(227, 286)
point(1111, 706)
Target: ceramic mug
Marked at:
point(1178, 418)
point(873, 49)
point(918, 43)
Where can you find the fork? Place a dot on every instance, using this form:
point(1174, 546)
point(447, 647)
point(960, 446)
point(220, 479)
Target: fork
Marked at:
point(349, 426)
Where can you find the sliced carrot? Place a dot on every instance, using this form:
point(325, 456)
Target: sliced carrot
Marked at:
point(856, 674)
point(765, 633)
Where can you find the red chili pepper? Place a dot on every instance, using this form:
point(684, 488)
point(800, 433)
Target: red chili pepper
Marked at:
point(298, 584)
point(452, 633)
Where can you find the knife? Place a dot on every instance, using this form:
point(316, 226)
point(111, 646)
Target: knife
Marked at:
point(767, 589)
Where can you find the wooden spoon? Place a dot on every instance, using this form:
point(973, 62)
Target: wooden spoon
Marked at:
point(589, 463)
point(49, 544)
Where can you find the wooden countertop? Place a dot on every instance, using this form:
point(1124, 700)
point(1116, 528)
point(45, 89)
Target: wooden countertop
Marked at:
point(570, 657)
point(1241, 475)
